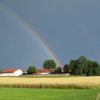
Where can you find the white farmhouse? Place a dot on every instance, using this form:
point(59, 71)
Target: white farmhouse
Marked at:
point(11, 72)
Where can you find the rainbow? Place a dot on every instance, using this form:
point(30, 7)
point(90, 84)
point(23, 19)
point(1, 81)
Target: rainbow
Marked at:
point(34, 34)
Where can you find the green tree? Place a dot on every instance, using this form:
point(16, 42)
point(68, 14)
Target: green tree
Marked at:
point(31, 70)
point(73, 68)
point(82, 65)
point(65, 68)
point(58, 70)
point(95, 67)
point(90, 68)
point(49, 64)
point(97, 71)
point(76, 68)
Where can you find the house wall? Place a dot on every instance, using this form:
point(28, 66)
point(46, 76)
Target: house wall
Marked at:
point(6, 74)
point(16, 73)
point(46, 73)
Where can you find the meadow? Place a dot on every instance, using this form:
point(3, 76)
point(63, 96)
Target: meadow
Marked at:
point(48, 94)
point(51, 82)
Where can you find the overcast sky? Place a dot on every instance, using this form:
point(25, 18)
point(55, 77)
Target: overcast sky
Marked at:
point(70, 28)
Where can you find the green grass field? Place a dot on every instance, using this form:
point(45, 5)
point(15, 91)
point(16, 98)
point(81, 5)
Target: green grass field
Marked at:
point(47, 94)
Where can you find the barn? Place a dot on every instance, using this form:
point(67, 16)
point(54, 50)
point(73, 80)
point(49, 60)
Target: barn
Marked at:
point(11, 72)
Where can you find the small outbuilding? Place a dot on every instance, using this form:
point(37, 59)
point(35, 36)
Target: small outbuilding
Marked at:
point(42, 72)
point(11, 72)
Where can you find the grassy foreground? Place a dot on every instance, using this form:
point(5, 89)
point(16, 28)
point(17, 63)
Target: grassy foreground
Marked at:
point(48, 94)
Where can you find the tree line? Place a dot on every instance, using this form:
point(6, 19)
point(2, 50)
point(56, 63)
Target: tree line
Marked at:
point(81, 66)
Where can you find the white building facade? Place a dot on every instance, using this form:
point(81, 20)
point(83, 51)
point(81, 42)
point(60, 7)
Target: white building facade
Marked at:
point(11, 72)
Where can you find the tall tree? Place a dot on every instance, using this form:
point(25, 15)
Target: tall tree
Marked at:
point(82, 64)
point(73, 68)
point(95, 67)
point(90, 68)
point(97, 70)
point(49, 64)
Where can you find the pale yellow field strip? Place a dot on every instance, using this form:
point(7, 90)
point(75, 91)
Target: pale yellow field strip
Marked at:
point(84, 81)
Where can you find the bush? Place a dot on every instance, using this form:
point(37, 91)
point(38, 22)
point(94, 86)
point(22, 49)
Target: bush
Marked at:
point(31, 70)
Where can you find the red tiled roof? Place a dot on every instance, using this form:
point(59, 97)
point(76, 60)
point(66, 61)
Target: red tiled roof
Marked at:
point(10, 70)
point(39, 71)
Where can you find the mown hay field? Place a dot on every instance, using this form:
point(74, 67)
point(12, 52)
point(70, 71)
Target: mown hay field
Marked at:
point(59, 82)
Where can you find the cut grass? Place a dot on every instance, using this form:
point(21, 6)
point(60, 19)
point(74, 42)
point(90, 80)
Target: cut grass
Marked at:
point(47, 94)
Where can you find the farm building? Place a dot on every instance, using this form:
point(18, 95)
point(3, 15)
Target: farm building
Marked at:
point(42, 72)
point(11, 72)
